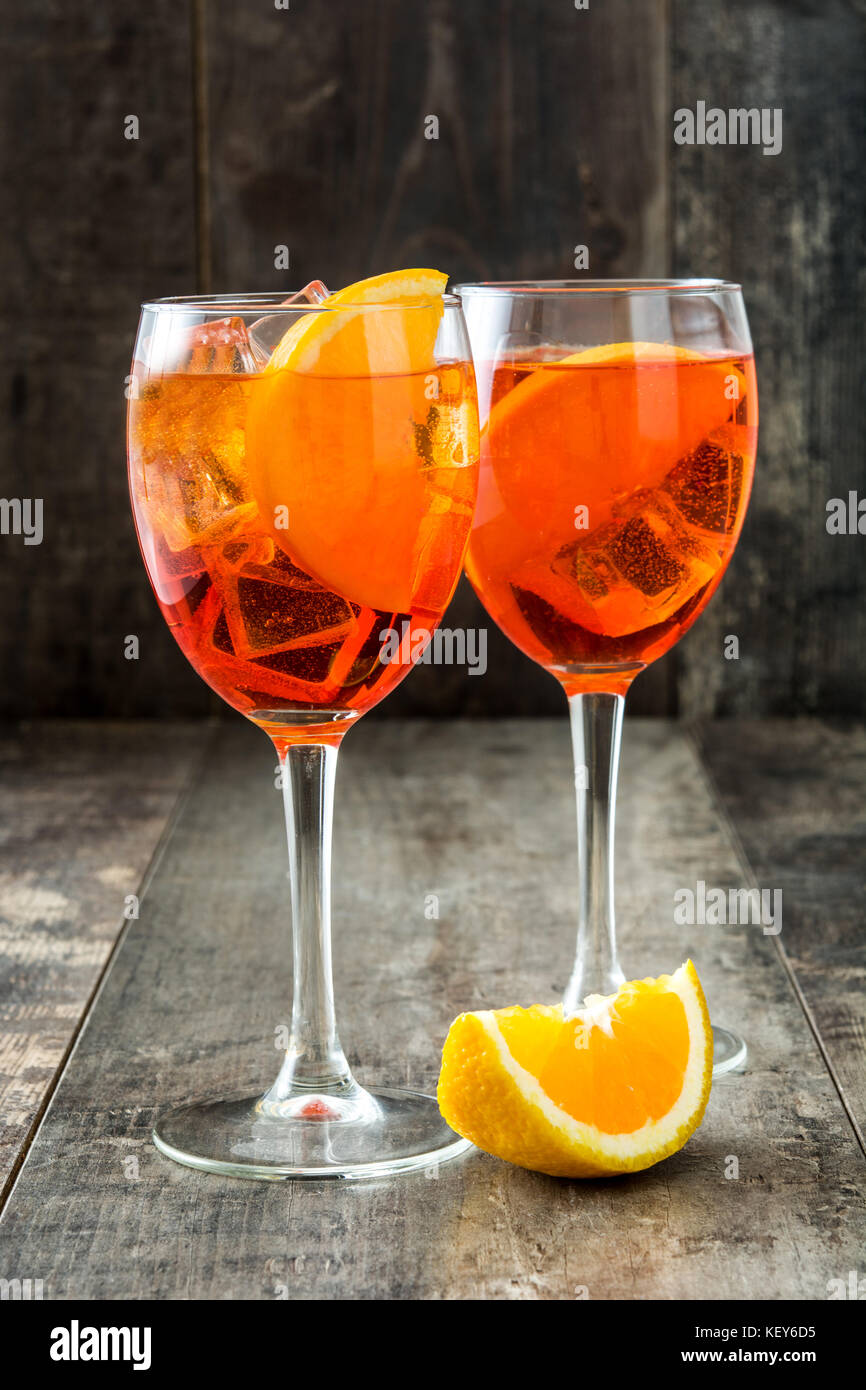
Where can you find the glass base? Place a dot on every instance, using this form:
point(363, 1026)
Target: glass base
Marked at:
point(729, 1051)
point(373, 1134)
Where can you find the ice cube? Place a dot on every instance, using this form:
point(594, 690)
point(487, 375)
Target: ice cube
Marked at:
point(314, 293)
point(358, 657)
point(327, 667)
point(310, 664)
point(245, 551)
point(642, 558)
point(640, 568)
point(279, 569)
point(706, 484)
point(266, 333)
point(262, 618)
point(188, 440)
point(256, 686)
point(220, 346)
point(272, 621)
point(180, 564)
point(310, 669)
point(441, 541)
point(269, 679)
point(446, 439)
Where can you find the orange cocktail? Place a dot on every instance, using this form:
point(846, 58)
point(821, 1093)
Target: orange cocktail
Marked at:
point(613, 487)
point(618, 435)
point(303, 474)
point(280, 590)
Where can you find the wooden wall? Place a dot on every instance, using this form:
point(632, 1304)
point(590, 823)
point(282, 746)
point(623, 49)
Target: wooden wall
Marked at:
point(305, 127)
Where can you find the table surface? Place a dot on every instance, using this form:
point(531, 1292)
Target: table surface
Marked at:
point(107, 1016)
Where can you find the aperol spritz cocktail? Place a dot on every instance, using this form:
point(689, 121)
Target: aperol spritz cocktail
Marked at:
point(303, 476)
point(614, 485)
point(619, 429)
point(279, 569)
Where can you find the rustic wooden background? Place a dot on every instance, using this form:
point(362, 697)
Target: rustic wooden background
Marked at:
point(304, 127)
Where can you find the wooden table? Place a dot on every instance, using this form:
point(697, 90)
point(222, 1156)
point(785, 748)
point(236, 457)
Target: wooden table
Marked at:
point(107, 1018)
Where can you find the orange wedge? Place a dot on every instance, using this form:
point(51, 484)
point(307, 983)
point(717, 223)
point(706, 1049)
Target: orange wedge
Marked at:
point(616, 1088)
point(333, 436)
point(344, 343)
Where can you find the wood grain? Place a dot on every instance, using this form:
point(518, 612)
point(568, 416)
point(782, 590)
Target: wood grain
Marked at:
point(551, 131)
point(83, 808)
point(796, 792)
point(93, 224)
point(482, 814)
point(789, 227)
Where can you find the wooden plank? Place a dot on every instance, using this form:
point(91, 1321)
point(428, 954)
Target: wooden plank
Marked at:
point(552, 133)
point(93, 224)
point(83, 808)
point(796, 792)
point(482, 814)
point(789, 227)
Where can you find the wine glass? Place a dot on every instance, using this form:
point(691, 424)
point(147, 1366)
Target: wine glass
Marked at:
point(619, 428)
point(302, 479)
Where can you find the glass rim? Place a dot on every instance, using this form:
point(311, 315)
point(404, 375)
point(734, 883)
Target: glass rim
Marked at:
point(600, 287)
point(274, 302)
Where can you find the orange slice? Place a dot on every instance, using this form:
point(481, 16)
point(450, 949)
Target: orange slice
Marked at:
point(338, 433)
point(345, 343)
point(545, 438)
point(616, 1088)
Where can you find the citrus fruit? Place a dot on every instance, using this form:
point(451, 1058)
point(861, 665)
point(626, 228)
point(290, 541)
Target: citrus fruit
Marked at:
point(619, 1086)
point(338, 433)
point(347, 342)
point(572, 420)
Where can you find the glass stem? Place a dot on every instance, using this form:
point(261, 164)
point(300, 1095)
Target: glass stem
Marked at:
point(315, 1061)
point(596, 726)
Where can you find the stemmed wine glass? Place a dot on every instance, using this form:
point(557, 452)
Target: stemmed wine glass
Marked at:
point(302, 478)
point(619, 428)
